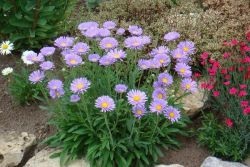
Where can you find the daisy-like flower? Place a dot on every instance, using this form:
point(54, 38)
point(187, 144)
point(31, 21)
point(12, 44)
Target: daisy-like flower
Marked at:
point(139, 111)
point(135, 30)
point(136, 97)
point(81, 48)
point(183, 70)
point(7, 71)
point(91, 32)
point(172, 114)
point(80, 85)
point(25, 55)
point(178, 53)
point(160, 50)
point(187, 46)
point(74, 98)
point(121, 88)
point(47, 51)
point(103, 32)
point(108, 43)
point(93, 57)
point(47, 65)
point(55, 84)
point(64, 42)
point(109, 25)
point(163, 59)
point(105, 103)
point(87, 25)
point(146, 39)
point(189, 85)
point(157, 84)
point(165, 79)
point(171, 36)
point(36, 76)
point(117, 54)
point(73, 60)
point(158, 106)
point(144, 64)
point(107, 60)
point(134, 43)
point(34, 57)
point(120, 31)
point(56, 93)
point(6, 47)
point(159, 93)
point(156, 63)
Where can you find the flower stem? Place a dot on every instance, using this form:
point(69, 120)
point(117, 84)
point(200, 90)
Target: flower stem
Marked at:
point(156, 124)
point(107, 125)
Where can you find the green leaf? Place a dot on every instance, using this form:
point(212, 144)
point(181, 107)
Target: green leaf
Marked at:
point(7, 6)
point(19, 23)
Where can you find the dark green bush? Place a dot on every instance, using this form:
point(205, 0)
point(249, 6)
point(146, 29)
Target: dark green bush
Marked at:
point(32, 23)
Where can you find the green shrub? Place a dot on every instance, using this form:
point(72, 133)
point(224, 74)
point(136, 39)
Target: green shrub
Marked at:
point(92, 4)
point(31, 23)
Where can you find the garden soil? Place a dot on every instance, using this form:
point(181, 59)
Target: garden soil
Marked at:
point(32, 119)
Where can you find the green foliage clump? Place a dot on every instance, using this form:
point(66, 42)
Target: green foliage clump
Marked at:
point(31, 23)
point(92, 4)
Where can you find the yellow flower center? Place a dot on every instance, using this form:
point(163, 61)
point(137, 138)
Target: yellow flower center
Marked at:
point(116, 55)
point(158, 107)
point(188, 86)
point(186, 49)
point(80, 86)
point(160, 96)
point(178, 56)
point(105, 104)
point(63, 44)
point(136, 98)
point(171, 115)
point(139, 112)
point(182, 70)
point(81, 50)
point(109, 45)
point(5, 46)
point(73, 61)
point(34, 58)
point(165, 80)
point(136, 43)
point(162, 61)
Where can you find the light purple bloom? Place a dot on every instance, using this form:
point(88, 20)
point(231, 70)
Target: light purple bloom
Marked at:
point(47, 51)
point(107, 60)
point(160, 50)
point(66, 52)
point(146, 40)
point(158, 106)
point(64, 42)
point(91, 32)
point(74, 98)
point(135, 30)
point(73, 60)
point(103, 32)
point(134, 43)
point(117, 54)
point(172, 114)
point(36, 76)
point(189, 85)
point(136, 97)
point(105, 103)
point(157, 84)
point(109, 25)
point(171, 36)
point(165, 79)
point(55, 84)
point(144, 64)
point(183, 70)
point(94, 57)
point(121, 88)
point(87, 25)
point(47, 65)
point(120, 31)
point(35, 58)
point(108, 43)
point(187, 46)
point(81, 48)
point(163, 59)
point(155, 63)
point(56, 93)
point(139, 111)
point(159, 93)
point(79, 85)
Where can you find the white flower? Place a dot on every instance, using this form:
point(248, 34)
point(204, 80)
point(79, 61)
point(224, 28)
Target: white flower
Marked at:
point(7, 71)
point(6, 47)
point(24, 57)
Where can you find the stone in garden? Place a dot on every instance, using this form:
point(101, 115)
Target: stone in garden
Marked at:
point(14, 146)
point(42, 159)
point(216, 162)
point(173, 165)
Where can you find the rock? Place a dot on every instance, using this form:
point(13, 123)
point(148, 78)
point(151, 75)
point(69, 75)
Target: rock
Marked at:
point(247, 161)
point(42, 159)
point(14, 146)
point(172, 165)
point(216, 162)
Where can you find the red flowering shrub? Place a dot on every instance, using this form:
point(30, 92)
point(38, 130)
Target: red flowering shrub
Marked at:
point(228, 86)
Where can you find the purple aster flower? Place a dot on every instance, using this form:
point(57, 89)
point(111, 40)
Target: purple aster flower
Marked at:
point(121, 88)
point(183, 70)
point(178, 53)
point(47, 65)
point(107, 60)
point(134, 43)
point(91, 32)
point(55, 84)
point(139, 111)
point(163, 59)
point(165, 79)
point(171, 36)
point(64, 42)
point(35, 58)
point(66, 52)
point(105, 103)
point(79, 85)
point(160, 50)
point(94, 57)
point(120, 31)
point(187, 46)
point(159, 93)
point(74, 98)
point(56, 93)
point(157, 84)
point(47, 51)
point(87, 25)
point(117, 54)
point(108, 43)
point(103, 32)
point(155, 63)
point(36, 76)
point(189, 85)
point(73, 60)
point(144, 64)
point(81, 48)
point(109, 25)
point(135, 30)
point(158, 106)
point(146, 39)
point(172, 114)
point(136, 97)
